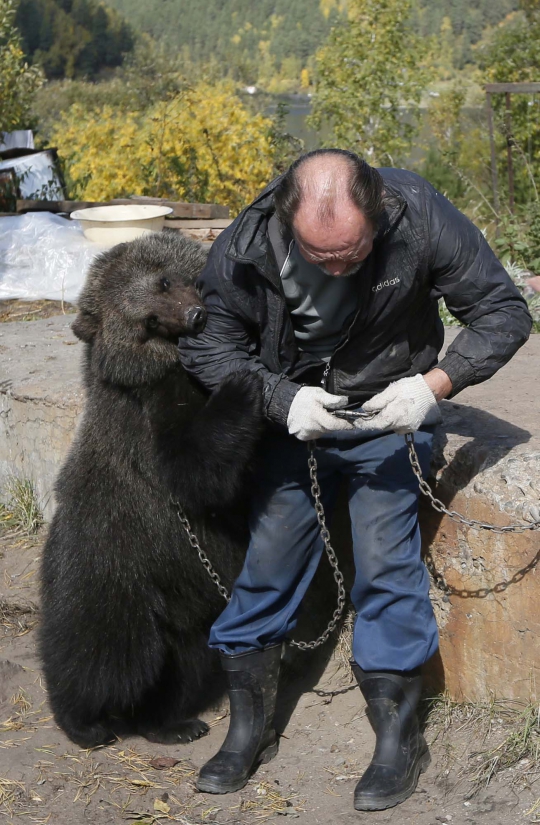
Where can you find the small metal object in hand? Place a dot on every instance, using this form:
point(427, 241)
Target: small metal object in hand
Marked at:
point(351, 415)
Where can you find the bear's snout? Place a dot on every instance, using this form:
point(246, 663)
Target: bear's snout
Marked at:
point(196, 319)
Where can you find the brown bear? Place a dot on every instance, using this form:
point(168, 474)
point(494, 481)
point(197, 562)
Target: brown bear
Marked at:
point(126, 602)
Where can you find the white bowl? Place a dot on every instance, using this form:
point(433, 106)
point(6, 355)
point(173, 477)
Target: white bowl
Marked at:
point(115, 224)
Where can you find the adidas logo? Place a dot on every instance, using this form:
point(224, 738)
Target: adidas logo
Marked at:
point(382, 284)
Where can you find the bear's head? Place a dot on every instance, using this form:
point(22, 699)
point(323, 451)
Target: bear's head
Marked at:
point(139, 298)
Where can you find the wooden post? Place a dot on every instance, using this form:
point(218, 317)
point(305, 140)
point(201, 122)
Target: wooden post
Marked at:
point(509, 144)
point(494, 181)
point(506, 89)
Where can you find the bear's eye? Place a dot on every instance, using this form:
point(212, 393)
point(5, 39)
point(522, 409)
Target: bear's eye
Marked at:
point(152, 321)
point(165, 284)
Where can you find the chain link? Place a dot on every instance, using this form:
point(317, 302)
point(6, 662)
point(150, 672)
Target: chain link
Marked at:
point(438, 579)
point(439, 506)
point(205, 561)
point(325, 535)
point(330, 552)
point(480, 592)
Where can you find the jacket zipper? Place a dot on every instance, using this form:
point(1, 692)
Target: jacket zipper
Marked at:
point(325, 374)
point(325, 377)
point(283, 307)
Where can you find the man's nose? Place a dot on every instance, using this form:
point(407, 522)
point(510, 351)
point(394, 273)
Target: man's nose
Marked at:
point(336, 267)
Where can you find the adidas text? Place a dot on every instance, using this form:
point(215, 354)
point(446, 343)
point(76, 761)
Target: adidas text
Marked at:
point(382, 284)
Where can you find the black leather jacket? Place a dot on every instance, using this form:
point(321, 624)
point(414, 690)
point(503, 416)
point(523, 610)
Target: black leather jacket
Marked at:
point(424, 249)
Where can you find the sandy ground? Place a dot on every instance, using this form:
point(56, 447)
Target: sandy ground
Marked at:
point(325, 746)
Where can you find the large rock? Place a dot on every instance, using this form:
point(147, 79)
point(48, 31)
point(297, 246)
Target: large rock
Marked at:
point(41, 399)
point(486, 465)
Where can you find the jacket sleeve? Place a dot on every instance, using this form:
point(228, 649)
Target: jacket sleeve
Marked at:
point(229, 343)
point(478, 291)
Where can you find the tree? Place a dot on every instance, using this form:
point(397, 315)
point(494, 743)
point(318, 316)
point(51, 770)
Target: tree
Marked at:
point(369, 81)
point(200, 144)
point(72, 39)
point(530, 7)
point(18, 80)
point(457, 161)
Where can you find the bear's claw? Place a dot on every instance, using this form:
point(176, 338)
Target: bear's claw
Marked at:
point(183, 732)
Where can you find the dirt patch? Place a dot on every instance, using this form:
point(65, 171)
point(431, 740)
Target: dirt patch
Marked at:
point(17, 310)
point(326, 744)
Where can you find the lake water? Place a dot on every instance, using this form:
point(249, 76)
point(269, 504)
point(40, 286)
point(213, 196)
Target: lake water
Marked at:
point(299, 107)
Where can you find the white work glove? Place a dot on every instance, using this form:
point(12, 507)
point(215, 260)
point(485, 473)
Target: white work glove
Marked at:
point(403, 407)
point(309, 417)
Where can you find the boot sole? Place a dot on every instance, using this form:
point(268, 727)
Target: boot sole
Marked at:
point(208, 786)
point(381, 804)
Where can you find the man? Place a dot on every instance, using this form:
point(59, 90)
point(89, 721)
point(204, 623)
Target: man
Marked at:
point(327, 286)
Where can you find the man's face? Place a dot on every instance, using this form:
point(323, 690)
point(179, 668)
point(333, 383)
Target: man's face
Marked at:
point(337, 248)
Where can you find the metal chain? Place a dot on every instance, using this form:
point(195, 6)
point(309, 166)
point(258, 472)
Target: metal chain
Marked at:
point(480, 592)
point(330, 552)
point(439, 506)
point(438, 578)
point(205, 561)
point(325, 535)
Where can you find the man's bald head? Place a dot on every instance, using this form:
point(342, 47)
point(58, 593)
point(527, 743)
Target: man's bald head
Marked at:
point(324, 179)
point(330, 200)
point(324, 183)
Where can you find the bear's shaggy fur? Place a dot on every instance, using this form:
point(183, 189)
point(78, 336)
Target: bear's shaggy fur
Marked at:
point(127, 605)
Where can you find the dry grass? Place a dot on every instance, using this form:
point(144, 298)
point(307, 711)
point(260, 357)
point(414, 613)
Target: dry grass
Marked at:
point(121, 776)
point(268, 802)
point(343, 648)
point(17, 619)
point(20, 512)
point(123, 780)
point(10, 793)
point(19, 720)
point(508, 737)
point(16, 309)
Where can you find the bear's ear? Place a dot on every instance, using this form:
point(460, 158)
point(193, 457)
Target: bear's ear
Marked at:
point(85, 326)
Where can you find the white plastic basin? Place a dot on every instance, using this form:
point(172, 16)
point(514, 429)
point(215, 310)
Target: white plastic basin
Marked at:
point(115, 224)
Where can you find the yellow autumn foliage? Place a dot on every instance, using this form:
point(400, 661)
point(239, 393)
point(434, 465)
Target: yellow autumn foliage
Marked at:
point(203, 145)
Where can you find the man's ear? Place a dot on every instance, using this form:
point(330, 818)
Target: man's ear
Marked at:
point(85, 326)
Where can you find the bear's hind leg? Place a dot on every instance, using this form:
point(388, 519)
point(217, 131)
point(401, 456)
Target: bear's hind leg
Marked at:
point(86, 732)
point(181, 731)
point(167, 715)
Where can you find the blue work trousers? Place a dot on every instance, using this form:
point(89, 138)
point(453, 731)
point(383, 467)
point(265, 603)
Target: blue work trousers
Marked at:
point(395, 627)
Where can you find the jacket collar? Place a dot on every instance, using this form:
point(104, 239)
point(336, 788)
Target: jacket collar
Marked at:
point(249, 241)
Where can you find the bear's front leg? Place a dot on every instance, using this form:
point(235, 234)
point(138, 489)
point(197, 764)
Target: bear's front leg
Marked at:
point(206, 460)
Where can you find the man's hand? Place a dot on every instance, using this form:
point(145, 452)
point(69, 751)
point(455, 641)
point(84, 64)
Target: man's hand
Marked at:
point(309, 417)
point(404, 406)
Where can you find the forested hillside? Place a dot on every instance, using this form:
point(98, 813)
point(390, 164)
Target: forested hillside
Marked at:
point(258, 41)
point(252, 40)
point(270, 43)
point(72, 38)
point(460, 23)
point(465, 16)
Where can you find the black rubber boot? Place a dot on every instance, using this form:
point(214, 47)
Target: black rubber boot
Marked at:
point(251, 740)
point(401, 752)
